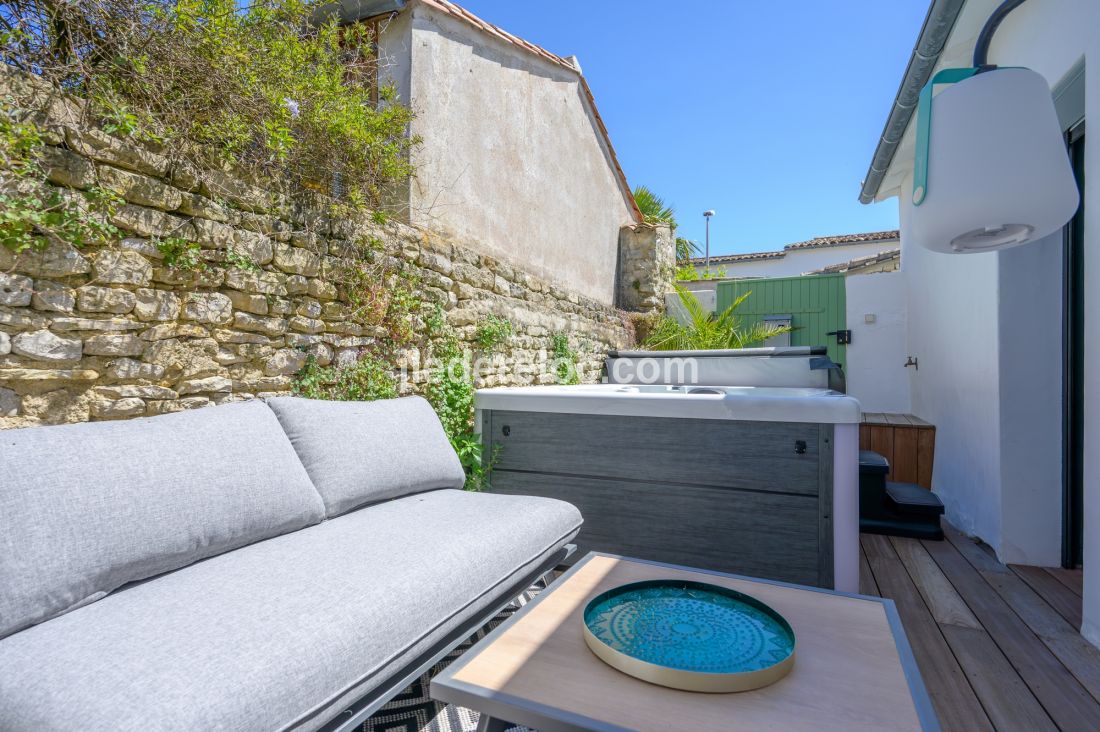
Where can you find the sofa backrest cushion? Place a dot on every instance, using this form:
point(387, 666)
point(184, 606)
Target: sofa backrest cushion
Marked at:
point(364, 452)
point(87, 508)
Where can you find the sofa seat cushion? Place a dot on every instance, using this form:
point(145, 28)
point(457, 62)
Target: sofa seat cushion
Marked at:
point(364, 452)
point(87, 508)
point(275, 634)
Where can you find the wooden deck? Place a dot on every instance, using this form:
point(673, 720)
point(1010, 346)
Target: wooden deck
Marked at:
point(998, 647)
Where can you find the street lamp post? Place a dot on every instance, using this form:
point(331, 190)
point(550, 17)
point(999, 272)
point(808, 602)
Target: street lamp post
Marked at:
point(706, 215)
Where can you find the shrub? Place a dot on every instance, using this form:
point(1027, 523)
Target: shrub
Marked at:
point(257, 87)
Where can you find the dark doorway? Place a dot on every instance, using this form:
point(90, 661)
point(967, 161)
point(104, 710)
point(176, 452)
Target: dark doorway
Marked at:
point(1073, 364)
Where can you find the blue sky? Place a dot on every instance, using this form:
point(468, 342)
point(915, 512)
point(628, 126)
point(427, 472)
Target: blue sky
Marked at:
point(767, 112)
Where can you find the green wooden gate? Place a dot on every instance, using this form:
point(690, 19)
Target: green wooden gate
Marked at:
point(814, 302)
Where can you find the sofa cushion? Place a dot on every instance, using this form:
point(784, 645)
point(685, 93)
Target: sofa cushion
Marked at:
point(278, 634)
point(87, 508)
point(364, 452)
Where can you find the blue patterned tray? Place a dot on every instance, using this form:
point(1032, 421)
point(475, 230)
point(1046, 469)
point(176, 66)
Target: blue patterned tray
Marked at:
point(689, 635)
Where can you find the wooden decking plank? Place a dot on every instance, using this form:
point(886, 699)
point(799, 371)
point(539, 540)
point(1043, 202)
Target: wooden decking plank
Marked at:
point(972, 550)
point(1067, 702)
point(943, 601)
point(897, 419)
point(1076, 654)
point(1003, 694)
point(1056, 594)
point(867, 584)
point(956, 705)
point(1071, 578)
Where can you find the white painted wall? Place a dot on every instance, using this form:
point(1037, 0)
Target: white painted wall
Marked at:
point(1051, 37)
point(801, 261)
point(875, 370)
point(952, 315)
point(987, 328)
point(1030, 339)
point(512, 160)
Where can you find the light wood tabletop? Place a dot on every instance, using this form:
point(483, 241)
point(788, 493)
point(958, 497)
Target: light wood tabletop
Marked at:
point(853, 669)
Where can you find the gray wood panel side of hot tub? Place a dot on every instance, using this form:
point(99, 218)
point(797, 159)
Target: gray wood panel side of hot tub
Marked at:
point(686, 525)
point(724, 495)
point(721, 453)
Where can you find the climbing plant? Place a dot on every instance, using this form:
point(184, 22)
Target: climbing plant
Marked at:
point(369, 378)
point(564, 359)
point(492, 332)
point(451, 391)
point(33, 214)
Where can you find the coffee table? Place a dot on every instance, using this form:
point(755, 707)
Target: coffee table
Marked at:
point(854, 669)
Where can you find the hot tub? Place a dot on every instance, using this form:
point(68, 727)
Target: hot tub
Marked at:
point(760, 481)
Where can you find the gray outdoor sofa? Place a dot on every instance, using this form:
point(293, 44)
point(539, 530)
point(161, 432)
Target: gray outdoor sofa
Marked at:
point(280, 565)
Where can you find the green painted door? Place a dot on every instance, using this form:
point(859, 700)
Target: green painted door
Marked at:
point(814, 302)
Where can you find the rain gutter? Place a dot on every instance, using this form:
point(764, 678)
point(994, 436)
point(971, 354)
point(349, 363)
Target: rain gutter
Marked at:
point(941, 18)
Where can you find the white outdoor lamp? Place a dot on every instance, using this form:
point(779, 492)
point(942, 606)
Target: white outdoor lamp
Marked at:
point(991, 168)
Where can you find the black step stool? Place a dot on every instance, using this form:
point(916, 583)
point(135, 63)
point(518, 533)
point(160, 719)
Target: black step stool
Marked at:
point(895, 509)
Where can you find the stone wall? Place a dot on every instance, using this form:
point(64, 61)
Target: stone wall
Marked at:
point(112, 332)
point(647, 266)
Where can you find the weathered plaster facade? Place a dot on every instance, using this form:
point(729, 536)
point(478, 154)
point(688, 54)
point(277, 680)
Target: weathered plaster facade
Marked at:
point(514, 158)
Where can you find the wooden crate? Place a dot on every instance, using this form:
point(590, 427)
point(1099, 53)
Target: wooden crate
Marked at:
point(908, 442)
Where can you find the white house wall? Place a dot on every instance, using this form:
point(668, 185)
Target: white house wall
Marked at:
point(987, 331)
point(1052, 37)
point(1030, 337)
point(801, 261)
point(952, 315)
point(875, 369)
point(512, 160)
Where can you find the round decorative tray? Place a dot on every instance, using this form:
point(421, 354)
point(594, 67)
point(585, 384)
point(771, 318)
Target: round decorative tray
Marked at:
point(689, 635)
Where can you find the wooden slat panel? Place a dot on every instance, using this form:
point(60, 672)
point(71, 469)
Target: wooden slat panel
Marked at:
point(901, 420)
point(757, 534)
point(905, 463)
point(926, 451)
point(751, 455)
point(1056, 594)
point(1007, 700)
point(942, 600)
point(864, 437)
point(954, 700)
point(882, 442)
point(1063, 697)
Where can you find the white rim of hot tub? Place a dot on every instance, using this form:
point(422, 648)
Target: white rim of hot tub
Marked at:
point(749, 403)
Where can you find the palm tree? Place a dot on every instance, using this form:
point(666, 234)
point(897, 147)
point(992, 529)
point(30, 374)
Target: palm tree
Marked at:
point(653, 208)
point(707, 331)
point(686, 249)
